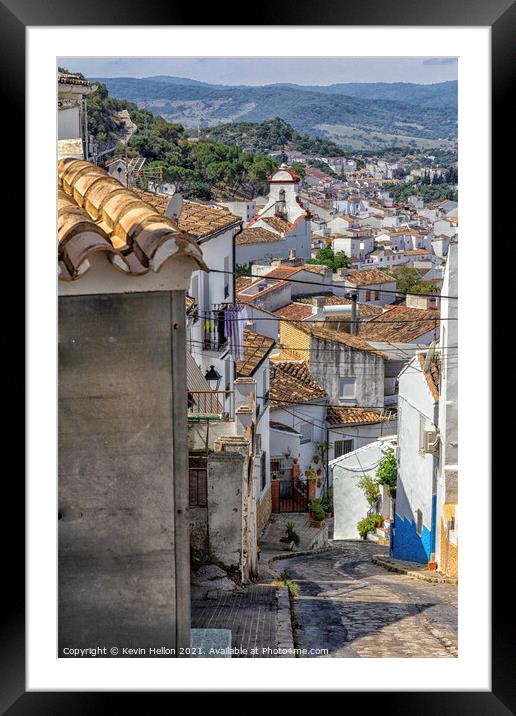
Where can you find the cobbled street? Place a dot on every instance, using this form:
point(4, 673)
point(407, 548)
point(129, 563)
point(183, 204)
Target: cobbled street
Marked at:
point(354, 608)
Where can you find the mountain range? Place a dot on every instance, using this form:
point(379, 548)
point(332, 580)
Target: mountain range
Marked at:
point(354, 115)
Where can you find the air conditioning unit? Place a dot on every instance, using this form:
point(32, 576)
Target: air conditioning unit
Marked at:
point(431, 440)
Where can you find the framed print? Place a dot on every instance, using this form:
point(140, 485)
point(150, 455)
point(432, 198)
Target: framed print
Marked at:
point(247, 385)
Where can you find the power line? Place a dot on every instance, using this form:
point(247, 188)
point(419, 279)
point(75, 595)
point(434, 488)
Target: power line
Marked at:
point(327, 285)
point(362, 320)
point(330, 350)
point(335, 428)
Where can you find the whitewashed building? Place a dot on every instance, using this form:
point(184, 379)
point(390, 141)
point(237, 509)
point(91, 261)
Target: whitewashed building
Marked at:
point(413, 536)
point(349, 503)
point(282, 228)
point(447, 487)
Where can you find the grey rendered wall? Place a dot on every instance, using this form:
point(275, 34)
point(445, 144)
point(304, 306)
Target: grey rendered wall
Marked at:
point(226, 502)
point(123, 561)
point(330, 361)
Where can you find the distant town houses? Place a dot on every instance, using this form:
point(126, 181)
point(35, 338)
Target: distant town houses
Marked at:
point(282, 228)
point(296, 373)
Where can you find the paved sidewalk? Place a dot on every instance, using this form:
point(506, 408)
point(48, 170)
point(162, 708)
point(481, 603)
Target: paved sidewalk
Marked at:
point(312, 539)
point(412, 569)
point(255, 616)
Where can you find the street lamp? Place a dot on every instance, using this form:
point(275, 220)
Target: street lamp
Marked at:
point(213, 377)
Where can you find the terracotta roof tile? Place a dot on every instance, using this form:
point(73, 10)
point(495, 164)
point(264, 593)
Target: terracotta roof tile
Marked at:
point(295, 311)
point(257, 235)
point(277, 223)
point(196, 219)
point(98, 215)
point(432, 375)
point(355, 416)
point(274, 425)
point(283, 271)
point(256, 349)
point(366, 277)
point(400, 324)
point(291, 381)
point(320, 331)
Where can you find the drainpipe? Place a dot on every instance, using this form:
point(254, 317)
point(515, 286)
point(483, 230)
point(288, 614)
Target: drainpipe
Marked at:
point(354, 324)
point(241, 228)
point(327, 467)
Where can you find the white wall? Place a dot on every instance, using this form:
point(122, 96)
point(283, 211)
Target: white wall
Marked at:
point(349, 503)
point(69, 123)
point(361, 435)
point(416, 469)
point(208, 290)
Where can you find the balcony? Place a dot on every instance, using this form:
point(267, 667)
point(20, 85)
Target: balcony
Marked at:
point(208, 405)
point(214, 334)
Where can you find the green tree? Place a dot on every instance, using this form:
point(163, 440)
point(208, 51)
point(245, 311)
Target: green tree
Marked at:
point(369, 487)
point(387, 471)
point(327, 257)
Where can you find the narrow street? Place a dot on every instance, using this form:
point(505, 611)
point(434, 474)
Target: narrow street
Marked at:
point(354, 608)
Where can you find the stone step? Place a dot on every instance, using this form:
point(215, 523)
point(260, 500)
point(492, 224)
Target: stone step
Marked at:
point(372, 537)
point(382, 532)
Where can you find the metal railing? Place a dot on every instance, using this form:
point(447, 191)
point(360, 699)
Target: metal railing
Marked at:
point(215, 338)
point(211, 404)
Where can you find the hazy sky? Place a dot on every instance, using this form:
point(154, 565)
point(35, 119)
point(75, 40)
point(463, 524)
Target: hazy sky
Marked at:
point(259, 71)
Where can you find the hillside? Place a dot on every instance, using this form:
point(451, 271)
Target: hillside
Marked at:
point(274, 135)
point(353, 115)
point(441, 94)
point(203, 170)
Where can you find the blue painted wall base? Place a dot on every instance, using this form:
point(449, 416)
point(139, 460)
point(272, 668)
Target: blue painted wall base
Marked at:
point(408, 545)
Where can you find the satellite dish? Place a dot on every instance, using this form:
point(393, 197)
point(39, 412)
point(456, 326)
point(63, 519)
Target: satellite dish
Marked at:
point(174, 206)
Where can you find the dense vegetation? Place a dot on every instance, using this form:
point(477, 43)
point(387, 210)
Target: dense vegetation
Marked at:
point(408, 281)
point(195, 167)
point(327, 257)
point(436, 189)
point(274, 135)
point(198, 166)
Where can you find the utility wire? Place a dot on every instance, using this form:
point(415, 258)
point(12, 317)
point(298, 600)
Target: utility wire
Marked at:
point(331, 350)
point(362, 320)
point(327, 285)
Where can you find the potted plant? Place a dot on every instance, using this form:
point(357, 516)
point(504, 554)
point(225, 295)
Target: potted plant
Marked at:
point(310, 473)
point(317, 513)
point(327, 502)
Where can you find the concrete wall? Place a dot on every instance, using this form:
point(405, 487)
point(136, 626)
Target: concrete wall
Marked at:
point(69, 123)
point(349, 503)
point(268, 327)
point(122, 564)
point(270, 301)
point(330, 361)
point(227, 477)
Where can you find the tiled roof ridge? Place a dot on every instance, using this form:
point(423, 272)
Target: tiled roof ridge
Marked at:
point(97, 214)
point(432, 375)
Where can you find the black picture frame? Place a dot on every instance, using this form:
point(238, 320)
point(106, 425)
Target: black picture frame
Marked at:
point(15, 16)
